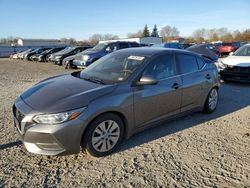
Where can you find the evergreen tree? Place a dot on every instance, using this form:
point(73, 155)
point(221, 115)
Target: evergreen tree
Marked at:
point(155, 32)
point(145, 32)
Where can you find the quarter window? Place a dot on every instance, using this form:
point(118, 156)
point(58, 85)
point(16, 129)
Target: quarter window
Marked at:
point(186, 63)
point(160, 68)
point(200, 62)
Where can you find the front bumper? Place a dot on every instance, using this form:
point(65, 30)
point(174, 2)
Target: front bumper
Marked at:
point(239, 74)
point(81, 64)
point(59, 139)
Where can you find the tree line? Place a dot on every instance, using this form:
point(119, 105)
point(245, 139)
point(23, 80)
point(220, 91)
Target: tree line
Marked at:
point(167, 33)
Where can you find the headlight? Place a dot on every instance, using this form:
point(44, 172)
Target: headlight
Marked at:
point(58, 57)
point(221, 65)
point(58, 117)
point(86, 57)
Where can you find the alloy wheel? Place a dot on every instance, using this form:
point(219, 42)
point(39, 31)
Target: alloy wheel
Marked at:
point(105, 136)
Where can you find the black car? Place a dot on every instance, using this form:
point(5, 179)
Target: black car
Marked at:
point(36, 51)
point(43, 56)
point(57, 59)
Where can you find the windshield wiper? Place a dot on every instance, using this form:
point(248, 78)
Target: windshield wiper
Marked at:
point(95, 80)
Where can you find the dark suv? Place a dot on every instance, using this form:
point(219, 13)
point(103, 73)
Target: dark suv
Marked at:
point(89, 56)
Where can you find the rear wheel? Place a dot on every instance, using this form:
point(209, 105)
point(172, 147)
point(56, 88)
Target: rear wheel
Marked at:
point(211, 101)
point(103, 135)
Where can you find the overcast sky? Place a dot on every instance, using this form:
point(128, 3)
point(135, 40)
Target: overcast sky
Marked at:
point(82, 18)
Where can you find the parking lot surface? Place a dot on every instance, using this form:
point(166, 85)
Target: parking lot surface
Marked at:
point(198, 150)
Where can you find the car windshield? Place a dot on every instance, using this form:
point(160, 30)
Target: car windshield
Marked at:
point(112, 68)
point(99, 46)
point(243, 51)
point(45, 51)
point(66, 50)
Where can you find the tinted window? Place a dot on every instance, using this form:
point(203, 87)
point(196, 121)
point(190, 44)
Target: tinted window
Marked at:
point(123, 45)
point(186, 63)
point(161, 67)
point(134, 44)
point(200, 62)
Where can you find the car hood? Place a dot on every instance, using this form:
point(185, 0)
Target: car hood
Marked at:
point(90, 52)
point(240, 61)
point(63, 93)
point(69, 58)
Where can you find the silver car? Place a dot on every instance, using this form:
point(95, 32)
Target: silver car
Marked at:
point(119, 95)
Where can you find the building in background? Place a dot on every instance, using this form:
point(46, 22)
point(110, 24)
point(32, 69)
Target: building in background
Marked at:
point(140, 40)
point(37, 42)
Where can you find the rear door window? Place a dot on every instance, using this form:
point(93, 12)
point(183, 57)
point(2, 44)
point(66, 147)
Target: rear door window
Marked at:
point(186, 63)
point(134, 44)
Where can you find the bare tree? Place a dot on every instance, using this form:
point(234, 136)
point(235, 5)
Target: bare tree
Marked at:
point(169, 32)
point(212, 35)
point(221, 32)
point(199, 35)
point(109, 36)
point(135, 35)
point(95, 38)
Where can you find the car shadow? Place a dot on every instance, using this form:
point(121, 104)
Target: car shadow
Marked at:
point(10, 145)
point(233, 97)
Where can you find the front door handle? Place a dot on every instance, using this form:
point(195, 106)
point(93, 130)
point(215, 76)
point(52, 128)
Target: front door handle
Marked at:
point(208, 76)
point(175, 86)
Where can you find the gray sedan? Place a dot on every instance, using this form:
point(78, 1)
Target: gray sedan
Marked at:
point(119, 95)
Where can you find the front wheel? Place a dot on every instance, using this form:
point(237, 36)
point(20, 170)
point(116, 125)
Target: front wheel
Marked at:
point(103, 135)
point(211, 101)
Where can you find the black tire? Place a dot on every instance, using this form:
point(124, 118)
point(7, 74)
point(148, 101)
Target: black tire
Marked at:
point(87, 140)
point(208, 108)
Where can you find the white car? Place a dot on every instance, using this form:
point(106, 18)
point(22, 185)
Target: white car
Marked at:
point(236, 67)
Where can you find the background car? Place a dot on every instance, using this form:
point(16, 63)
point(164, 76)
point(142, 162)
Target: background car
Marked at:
point(69, 60)
point(22, 54)
point(236, 67)
point(117, 96)
point(36, 51)
point(43, 56)
point(227, 47)
point(58, 58)
point(89, 56)
point(169, 45)
point(205, 50)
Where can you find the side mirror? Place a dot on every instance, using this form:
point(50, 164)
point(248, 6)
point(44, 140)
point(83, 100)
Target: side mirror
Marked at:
point(231, 53)
point(146, 80)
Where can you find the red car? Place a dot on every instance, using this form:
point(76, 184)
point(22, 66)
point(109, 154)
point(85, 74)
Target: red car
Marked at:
point(228, 47)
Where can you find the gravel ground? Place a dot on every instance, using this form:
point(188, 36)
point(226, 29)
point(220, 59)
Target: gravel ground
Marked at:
point(198, 150)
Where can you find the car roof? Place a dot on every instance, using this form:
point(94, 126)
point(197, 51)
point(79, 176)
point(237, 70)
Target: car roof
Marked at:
point(147, 51)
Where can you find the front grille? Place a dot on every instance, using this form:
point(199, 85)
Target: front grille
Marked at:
point(238, 69)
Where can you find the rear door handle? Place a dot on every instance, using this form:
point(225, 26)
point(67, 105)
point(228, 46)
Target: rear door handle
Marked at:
point(175, 86)
point(208, 76)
